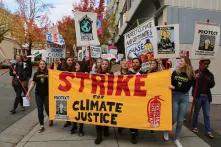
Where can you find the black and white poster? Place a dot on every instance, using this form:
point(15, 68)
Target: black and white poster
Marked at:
point(61, 107)
point(206, 40)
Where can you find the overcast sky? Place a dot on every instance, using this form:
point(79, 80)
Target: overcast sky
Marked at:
point(62, 8)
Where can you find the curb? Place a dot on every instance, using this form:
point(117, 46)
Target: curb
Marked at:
point(11, 136)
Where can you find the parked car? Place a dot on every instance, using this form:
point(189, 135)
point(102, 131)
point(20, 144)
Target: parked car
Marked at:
point(6, 63)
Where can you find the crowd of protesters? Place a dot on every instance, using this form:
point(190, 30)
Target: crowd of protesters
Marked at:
point(182, 79)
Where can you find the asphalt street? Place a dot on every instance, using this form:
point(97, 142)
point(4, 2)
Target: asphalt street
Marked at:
point(7, 96)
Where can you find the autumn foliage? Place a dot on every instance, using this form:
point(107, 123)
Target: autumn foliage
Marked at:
point(67, 30)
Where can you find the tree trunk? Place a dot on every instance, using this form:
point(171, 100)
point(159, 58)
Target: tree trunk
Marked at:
point(29, 48)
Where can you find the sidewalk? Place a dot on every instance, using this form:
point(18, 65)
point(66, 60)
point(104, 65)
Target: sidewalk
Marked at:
point(57, 136)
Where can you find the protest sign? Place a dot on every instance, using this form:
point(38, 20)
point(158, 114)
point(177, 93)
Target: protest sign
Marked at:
point(140, 40)
point(53, 36)
point(95, 52)
point(86, 28)
point(51, 54)
point(167, 41)
point(80, 55)
point(206, 41)
point(129, 101)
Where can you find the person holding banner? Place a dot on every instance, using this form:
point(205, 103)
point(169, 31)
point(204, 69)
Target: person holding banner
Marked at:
point(182, 80)
point(40, 80)
point(201, 92)
point(78, 68)
point(19, 76)
point(155, 66)
point(105, 67)
point(136, 67)
point(123, 71)
point(68, 66)
point(135, 70)
point(123, 68)
point(97, 66)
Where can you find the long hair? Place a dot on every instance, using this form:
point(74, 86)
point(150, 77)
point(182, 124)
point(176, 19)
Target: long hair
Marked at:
point(98, 68)
point(108, 69)
point(68, 68)
point(188, 69)
point(45, 71)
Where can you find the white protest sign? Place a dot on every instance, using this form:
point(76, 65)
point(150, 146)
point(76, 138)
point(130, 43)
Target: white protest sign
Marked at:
point(167, 41)
point(51, 54)
point(95, 52)
point(206, 41)
point(140, 40)
point(54, 36)
point(86, 28)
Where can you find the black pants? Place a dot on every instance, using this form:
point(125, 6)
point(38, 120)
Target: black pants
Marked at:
point(74, 126)
point(42, 103)
point(18, 98)
point(101, 129)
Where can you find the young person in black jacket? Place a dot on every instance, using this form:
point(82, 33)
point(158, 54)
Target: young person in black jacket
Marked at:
point(135, 70)
point(40, 80)
point(105, 69)
point(28, 69)
point(201, 92)
point(19, 74)
point(68, 66)
point(182, 80)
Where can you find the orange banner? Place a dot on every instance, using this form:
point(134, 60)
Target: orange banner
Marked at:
point(129, 101)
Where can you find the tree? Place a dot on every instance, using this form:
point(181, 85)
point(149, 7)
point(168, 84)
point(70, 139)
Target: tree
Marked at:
point(67, 30)
point(4, 23)
point(34, 15)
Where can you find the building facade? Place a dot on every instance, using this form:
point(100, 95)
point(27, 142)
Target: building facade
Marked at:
point(130, 13)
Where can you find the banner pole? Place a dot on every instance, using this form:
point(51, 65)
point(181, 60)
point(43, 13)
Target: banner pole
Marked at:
point(90, 59)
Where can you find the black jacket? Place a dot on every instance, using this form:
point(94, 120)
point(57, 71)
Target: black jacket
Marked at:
point(206, 78)
point(28, 68)
point(21, 73)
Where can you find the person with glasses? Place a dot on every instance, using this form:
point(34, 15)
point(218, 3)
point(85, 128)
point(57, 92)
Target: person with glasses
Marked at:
point(204, 81)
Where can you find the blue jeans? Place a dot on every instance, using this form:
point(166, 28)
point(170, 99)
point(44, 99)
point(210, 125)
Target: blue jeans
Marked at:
point(180, 105)
point(202, 101)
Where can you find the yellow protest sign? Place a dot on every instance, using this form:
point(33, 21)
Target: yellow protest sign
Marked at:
point(129, 101)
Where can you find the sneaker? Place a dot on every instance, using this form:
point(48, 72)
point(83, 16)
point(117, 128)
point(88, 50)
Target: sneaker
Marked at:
point(81, 133)
point(41, 129)
point(195, 130)
point(177, 143)
point(210, 135)
point(13, 111)
point(133, 138)
point(98, 140)
point(22, 108)
point(166, 136)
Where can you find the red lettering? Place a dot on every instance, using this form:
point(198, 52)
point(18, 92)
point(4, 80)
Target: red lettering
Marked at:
point(82, 76)
point(122, 85)
point(63, 77)
point(110, 86)
point(138, 84)
point(96, 83)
